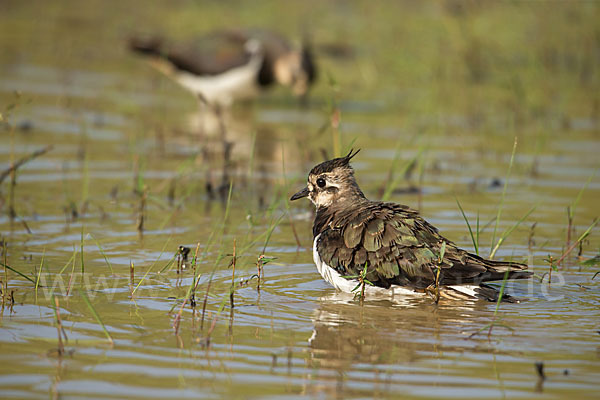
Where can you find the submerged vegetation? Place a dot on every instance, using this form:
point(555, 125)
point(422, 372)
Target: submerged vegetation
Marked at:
point(126, 232)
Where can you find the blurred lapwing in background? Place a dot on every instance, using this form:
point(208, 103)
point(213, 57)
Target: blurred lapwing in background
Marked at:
point(224, 66)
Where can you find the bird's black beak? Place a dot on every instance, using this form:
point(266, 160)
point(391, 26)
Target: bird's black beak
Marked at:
point(300, 194)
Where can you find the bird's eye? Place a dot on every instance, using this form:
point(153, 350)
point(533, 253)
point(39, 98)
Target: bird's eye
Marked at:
point(321, 182)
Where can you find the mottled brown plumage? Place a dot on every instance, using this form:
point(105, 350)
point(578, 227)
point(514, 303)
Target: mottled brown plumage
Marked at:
point(398, 246)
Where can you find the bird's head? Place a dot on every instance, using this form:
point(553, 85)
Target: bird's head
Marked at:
point(297, 70)
point(331, 183)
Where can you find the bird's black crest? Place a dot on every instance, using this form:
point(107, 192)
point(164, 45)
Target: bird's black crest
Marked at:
point(330, 165)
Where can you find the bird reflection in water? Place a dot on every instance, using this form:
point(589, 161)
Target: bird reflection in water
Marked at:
point(383, 338)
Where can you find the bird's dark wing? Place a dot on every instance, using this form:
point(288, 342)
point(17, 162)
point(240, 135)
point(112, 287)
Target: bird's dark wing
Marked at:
point(209, 55)
point(401, 248)
point(212, 54)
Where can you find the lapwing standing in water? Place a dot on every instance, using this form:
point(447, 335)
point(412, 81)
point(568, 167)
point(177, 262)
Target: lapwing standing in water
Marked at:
point(389, 245)
point(230, 65)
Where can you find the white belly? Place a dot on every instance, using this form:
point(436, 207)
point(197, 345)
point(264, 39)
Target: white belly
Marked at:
point(223, 89)
point(347, 285)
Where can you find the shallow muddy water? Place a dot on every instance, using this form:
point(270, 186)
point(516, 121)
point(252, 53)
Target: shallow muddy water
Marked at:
point(130, 178)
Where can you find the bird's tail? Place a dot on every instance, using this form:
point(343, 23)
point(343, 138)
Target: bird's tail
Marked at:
point(483, 291)
point(497, 270)
point(146, 45)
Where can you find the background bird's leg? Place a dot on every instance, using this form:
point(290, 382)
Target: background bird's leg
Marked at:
point(203, 107)
point(219, 113)
point(303, 102)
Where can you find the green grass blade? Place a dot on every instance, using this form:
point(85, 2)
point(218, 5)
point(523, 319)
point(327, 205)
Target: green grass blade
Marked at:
point(103, 255)
point(468, 226)
point(252, 155)
point(152, 266)
point(81, 251)
point(587, 231)
point(85, 184)
point(270, 232)
point(501, 294)
point(37, 281)
point(477, 233)
point(579, 195)
point(583, 236)
point(442, 252)
point(17, 272)
point(169, 263)
point(349, 146)
point(72, 259)
point(509, 231)
point(389, 189)
point(510, 165)
point(228, 205)
point(95, 314)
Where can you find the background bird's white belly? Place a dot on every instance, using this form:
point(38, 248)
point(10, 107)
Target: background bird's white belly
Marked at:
point(222, 89)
